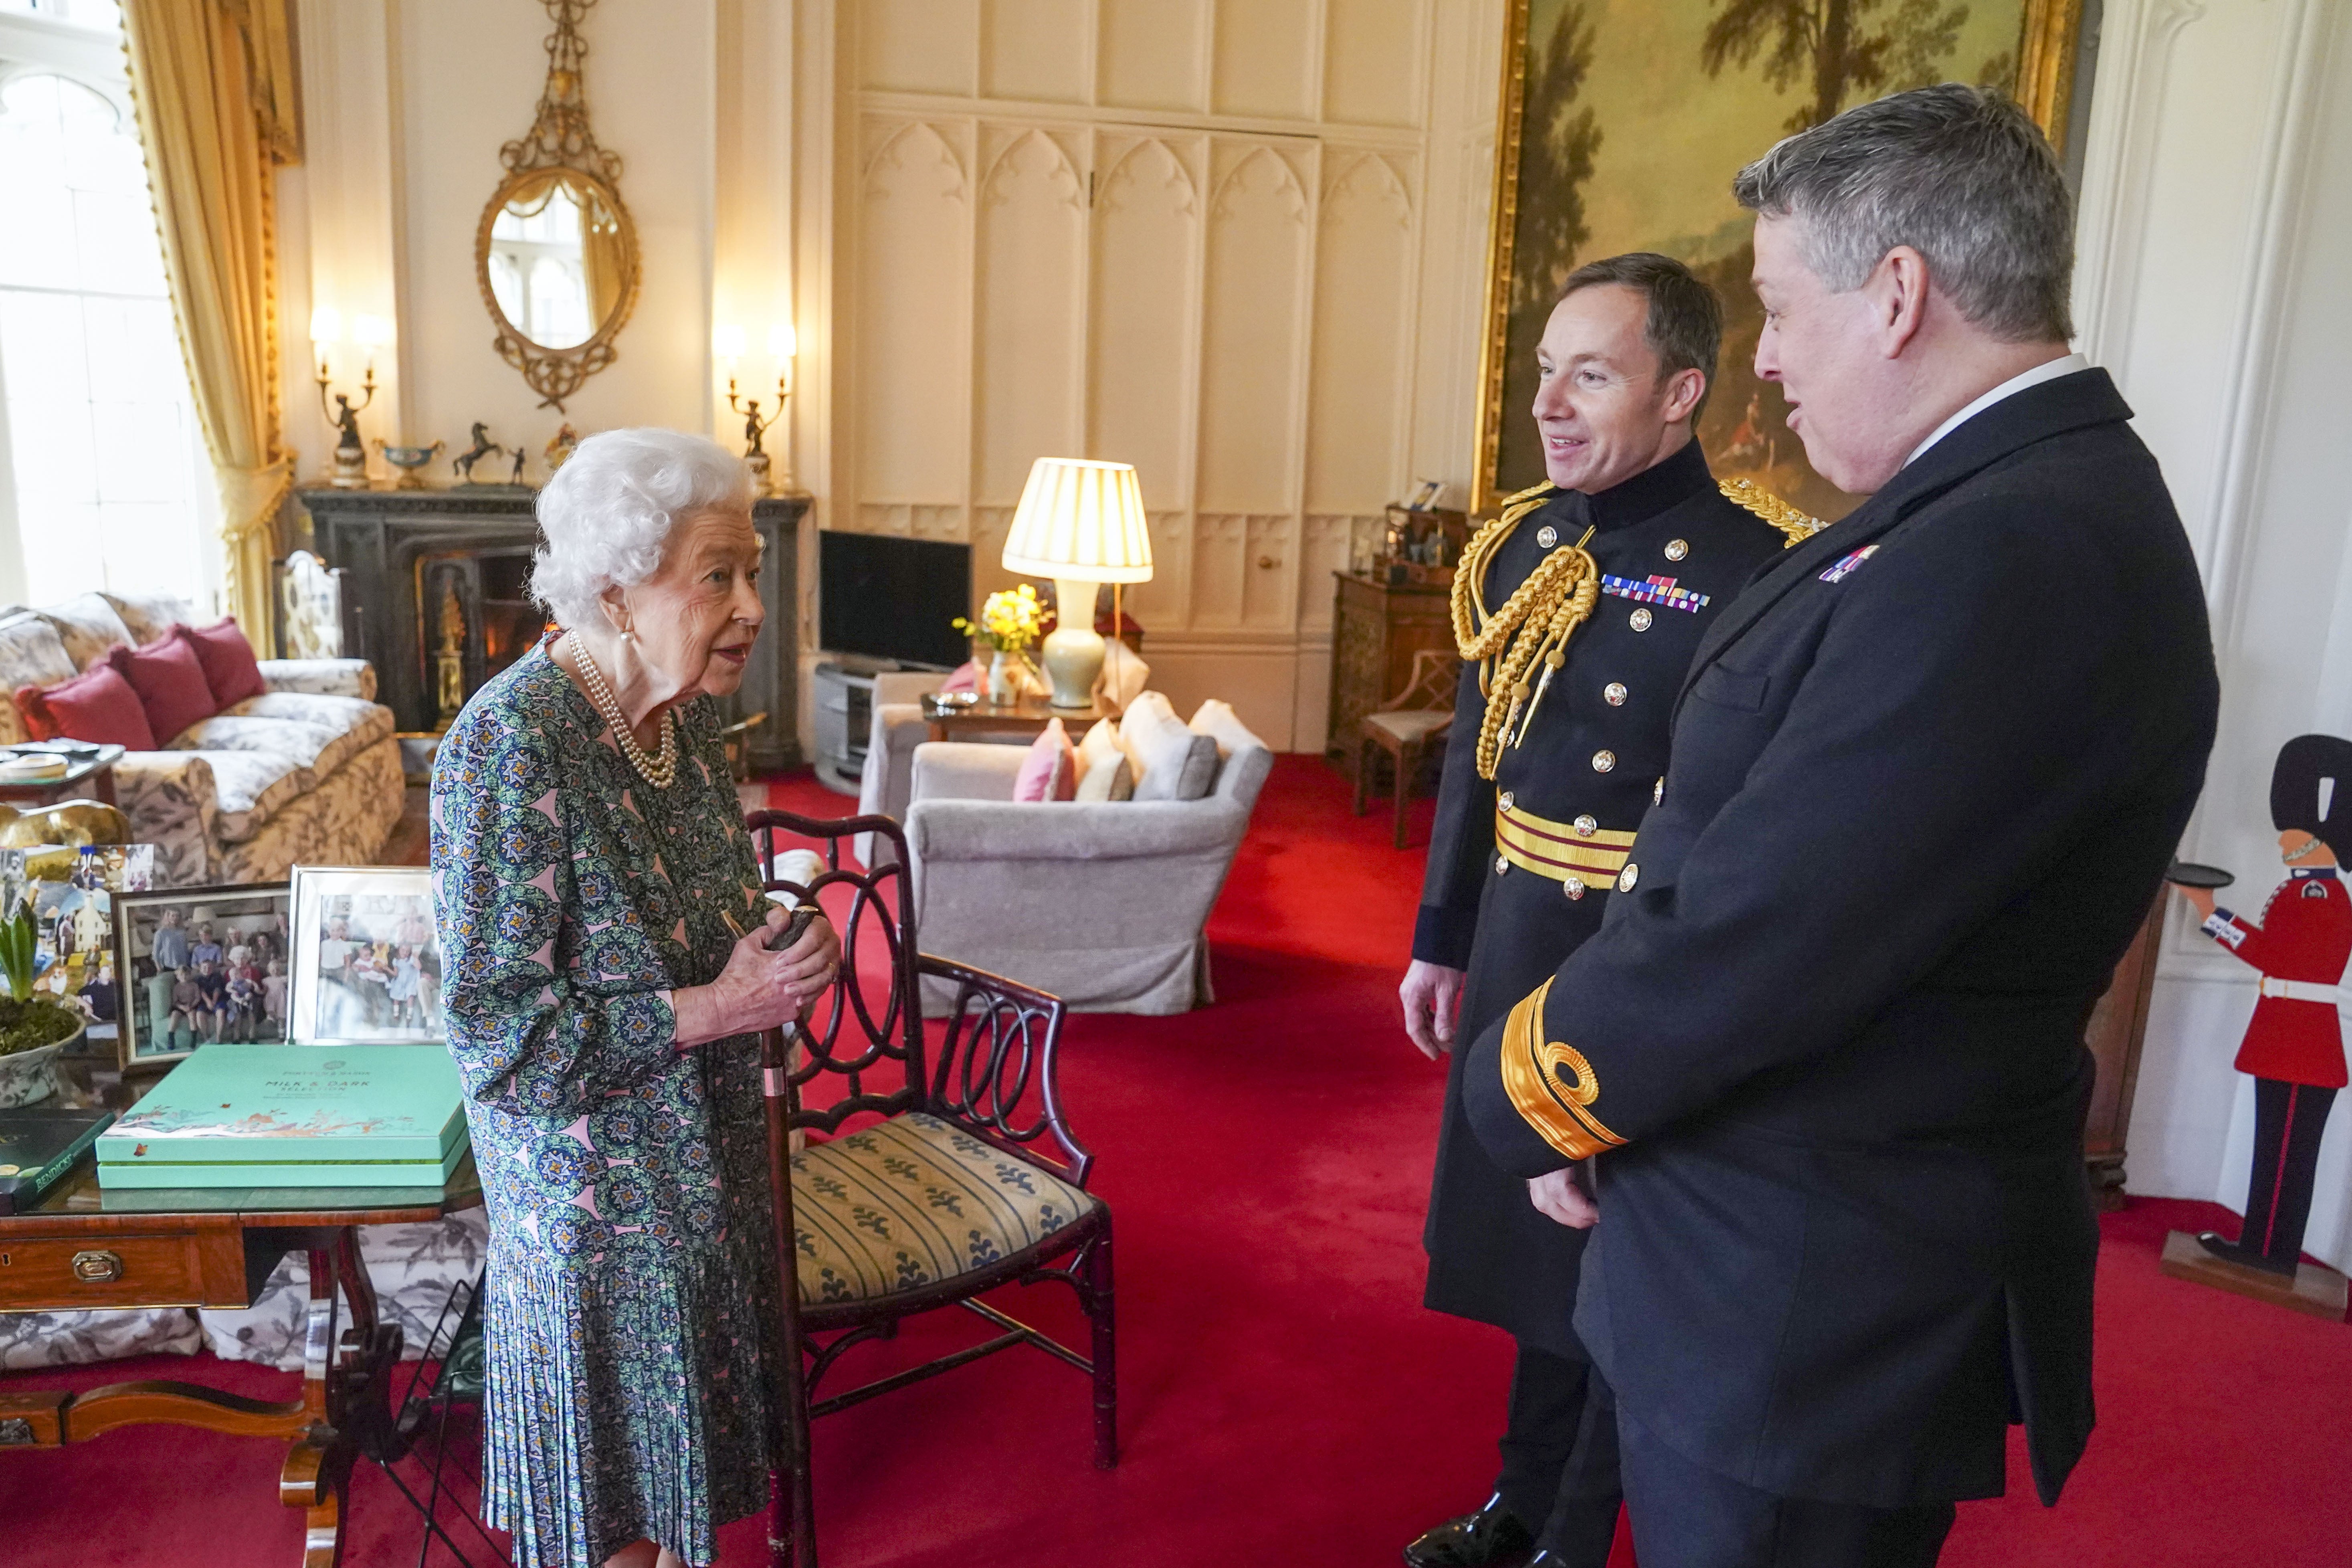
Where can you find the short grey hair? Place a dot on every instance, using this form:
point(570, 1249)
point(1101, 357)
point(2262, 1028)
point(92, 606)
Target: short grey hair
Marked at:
point(1959, 174)
point(605, 515)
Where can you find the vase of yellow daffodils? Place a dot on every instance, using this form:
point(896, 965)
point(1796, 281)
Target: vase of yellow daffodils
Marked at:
point(1011, 621)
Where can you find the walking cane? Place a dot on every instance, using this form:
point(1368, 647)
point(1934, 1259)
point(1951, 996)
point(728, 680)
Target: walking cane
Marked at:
point(792, 1520)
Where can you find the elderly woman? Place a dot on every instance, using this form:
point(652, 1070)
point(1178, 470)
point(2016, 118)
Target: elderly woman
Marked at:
point(605, 977)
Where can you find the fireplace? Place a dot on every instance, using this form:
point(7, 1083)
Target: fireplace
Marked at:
point(434, 593)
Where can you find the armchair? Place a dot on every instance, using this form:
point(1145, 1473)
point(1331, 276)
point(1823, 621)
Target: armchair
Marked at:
point(922, 1182)
point(1102, 903)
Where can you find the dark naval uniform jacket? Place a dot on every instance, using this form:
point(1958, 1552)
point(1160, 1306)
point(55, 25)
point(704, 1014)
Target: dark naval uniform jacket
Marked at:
point(1927, 772)
point(1672, 552)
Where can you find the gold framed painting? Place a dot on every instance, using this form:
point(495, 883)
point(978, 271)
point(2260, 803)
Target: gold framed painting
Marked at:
point(1621, 124)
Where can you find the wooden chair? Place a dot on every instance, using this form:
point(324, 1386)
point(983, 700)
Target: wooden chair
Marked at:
point(918, 1186)
point(1406, 726)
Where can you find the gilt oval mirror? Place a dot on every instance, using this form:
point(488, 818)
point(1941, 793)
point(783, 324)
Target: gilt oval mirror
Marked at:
point(555, 254)
point(558, 257)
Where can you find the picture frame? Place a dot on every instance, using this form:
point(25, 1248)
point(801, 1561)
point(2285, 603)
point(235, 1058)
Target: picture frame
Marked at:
point(367, 967)
point(1621, 125)
point(160, 1023)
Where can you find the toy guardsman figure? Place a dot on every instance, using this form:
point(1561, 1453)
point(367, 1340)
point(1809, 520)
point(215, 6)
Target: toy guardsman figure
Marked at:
point(1576, 612)
point(2293, 1048)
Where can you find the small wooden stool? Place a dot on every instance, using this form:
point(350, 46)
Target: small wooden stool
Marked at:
point(1405, 727)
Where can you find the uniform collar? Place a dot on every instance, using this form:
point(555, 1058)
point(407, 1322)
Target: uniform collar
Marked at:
point(2307, 871)
point(1656, 489)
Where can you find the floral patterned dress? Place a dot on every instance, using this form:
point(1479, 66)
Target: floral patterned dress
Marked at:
point(631, 1263)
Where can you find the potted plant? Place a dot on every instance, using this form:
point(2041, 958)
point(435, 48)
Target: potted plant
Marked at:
point(33, 1028)
point(1011, 622)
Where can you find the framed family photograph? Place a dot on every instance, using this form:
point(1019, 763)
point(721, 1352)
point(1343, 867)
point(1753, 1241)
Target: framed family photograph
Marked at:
point(201, 965)
point(367, 964)
point(1621, 124)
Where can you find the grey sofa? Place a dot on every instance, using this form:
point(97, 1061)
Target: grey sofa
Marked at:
point(1101, 903)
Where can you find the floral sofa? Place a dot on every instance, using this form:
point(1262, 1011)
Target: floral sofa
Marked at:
point(307, 772)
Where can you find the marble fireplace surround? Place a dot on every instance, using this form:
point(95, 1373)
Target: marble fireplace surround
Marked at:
point(402, 553)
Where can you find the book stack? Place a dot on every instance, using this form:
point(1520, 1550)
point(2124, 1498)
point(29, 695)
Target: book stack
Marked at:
point(279, 1116)
point(38, 1148)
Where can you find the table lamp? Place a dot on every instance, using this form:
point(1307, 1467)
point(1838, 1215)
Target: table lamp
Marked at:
point(1080, 523)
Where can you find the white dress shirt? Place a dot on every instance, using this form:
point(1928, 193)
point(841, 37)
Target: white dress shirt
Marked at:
point(2064, 365)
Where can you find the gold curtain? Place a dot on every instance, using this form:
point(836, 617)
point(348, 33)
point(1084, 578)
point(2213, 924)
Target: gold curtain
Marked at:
point(218, 101)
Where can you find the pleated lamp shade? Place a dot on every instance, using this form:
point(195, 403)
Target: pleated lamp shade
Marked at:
point(1082, 521)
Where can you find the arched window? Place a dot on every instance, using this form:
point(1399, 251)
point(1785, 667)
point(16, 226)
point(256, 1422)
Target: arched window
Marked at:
point(102, 472)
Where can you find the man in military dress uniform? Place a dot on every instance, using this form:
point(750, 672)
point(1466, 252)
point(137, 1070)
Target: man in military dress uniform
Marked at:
point(1577, 612)
point(1928, 773)
point(2293, 1047)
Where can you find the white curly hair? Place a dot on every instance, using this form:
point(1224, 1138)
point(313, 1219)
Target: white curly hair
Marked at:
point(606, 514)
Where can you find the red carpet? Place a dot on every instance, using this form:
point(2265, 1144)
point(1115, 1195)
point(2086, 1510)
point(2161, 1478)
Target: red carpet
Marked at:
point(1286, 1400)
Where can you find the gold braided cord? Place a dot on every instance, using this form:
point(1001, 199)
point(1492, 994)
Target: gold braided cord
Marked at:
point(1531, 627)
point(1799, 526)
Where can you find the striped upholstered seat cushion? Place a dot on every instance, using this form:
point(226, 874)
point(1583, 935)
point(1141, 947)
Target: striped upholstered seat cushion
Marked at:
point(910, 1202)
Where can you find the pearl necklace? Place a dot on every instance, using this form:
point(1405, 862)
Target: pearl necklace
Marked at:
point(660, 771)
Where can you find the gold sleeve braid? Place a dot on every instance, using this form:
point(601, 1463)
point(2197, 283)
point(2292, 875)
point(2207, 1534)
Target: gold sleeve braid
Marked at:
point(1551, 1084)
point(1532, 626)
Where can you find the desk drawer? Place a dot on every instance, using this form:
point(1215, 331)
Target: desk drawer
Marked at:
point(60, 1274)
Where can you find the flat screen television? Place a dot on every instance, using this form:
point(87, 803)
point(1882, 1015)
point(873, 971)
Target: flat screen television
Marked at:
point(890, 598)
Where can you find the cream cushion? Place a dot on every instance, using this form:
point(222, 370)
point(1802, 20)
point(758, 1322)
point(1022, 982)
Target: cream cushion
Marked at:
point(1171, 761)
point(1111, 778)
point(87, 625)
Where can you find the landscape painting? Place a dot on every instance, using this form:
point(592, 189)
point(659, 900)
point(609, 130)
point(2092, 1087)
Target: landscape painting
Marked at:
point(1622, 123)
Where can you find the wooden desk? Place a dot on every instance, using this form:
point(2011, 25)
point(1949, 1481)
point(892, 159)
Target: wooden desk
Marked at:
point(1027, 717)
point(84, 1247)
point(90, 776)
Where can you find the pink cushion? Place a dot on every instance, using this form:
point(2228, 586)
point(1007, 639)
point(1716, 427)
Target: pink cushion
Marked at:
point(170, 682)
point(230, 670)
point(1050, 770)
point(965, 677)
point(98, 706)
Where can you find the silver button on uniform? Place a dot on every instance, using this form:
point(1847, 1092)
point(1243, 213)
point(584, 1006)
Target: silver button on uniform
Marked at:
point(1603, 761)
point(1547, 536)
point(1506, 801)
point(1585, 827)
point(1658, 791)
point(1628, 877)
point(1573, 886)
point(1613, 694)
point(1502, 864)
point(1641, 620)
point(1676, 549)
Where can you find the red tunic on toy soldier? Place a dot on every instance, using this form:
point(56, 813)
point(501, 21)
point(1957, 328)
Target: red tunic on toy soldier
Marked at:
point(2294, 1048)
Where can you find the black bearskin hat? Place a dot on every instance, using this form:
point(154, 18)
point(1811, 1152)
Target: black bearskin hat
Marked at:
point(2311, 788)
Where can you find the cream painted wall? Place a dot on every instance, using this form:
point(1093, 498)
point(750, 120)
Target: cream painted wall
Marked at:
point(2217, 210)
point(407, 103)
point(1239, 246)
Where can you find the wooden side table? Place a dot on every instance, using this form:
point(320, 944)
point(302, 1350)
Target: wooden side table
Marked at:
point(1376, 628)
point(84, 1247)
point(1027, 717)
point(86, 776)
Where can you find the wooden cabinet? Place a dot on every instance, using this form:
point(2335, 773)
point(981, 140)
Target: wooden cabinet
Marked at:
point(1376, 628)
point(2118, 1023)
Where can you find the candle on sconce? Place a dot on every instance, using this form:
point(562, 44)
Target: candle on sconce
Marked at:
point(783, 345)
point(371, 332)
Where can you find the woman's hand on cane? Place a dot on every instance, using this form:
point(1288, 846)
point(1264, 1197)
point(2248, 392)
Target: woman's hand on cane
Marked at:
point(759, 989)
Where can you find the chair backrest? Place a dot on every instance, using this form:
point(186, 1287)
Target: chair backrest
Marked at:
point(995, 1076)
point(1432, 684)
point(1000, 1045)
point(868, 1032)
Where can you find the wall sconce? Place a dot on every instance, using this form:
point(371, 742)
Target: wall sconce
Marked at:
point(728, 342)
point(351, 455)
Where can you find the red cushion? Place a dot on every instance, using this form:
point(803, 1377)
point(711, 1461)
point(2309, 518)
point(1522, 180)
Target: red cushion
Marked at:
point(170, 682)
point(98, 706)
point(230, 669)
